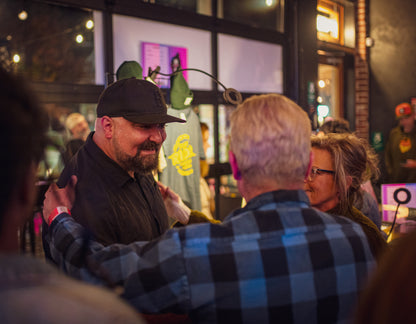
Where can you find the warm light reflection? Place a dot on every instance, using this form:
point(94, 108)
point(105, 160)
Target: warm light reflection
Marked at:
point(79, 38)
point(319, 99)
point(327, 25)
point(269, 3)
point(321, 83)
point(16, 58)
point(22, 15)
point(323, 111)
point(89, 24)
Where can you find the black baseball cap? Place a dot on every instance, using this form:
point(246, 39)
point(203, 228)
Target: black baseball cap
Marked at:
point(136, 100)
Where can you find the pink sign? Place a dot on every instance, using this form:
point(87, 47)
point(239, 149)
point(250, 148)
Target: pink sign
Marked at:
point(154, 55)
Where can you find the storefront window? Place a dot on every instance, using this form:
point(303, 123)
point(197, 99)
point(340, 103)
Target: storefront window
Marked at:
point(268, 14)
point(47, 43)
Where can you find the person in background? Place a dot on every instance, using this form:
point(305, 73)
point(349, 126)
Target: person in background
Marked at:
point(275, 260)
point(32, 291)
point(118, 200)
point(341, 163)
point(400, 152)
point(78, 127)
point(207, 200)
point(368, 204)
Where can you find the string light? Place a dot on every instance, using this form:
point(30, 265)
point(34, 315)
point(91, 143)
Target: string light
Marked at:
point(79, 38)
point(89, 24)
point(22, 15)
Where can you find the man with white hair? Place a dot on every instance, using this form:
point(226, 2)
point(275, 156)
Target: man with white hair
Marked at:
point(275, 260)
point(77, 125)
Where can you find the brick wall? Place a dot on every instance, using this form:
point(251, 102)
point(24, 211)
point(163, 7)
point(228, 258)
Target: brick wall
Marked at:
point(361, 72)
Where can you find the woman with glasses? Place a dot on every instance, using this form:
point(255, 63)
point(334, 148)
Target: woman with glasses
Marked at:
point(341, 163)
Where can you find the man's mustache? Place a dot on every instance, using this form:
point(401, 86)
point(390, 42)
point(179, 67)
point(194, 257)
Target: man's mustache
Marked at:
point(149, 145)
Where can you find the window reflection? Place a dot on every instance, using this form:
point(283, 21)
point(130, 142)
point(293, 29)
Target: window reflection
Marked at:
point(202, 7)
point(47, 43)
point(268, 14)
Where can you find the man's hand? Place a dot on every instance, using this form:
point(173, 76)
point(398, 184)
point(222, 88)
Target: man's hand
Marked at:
point(174, 205)
point(56, 197)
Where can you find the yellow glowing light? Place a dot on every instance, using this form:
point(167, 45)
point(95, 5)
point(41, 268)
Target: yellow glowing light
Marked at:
point(89, 24)
point(16, 58)
point(319, 99)
point(79, 38)
point(321, 83)
point(22, 15)
point(269, 3)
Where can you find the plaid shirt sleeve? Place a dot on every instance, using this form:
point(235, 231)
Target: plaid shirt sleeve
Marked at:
point(152, 274)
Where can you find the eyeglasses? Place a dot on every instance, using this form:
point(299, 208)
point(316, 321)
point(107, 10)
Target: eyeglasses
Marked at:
point(317, 171)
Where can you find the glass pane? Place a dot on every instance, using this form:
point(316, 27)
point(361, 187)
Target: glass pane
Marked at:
point(328, 21)
point(202, 7)
point(224, 113)
point(349, 24)
point(328, 92)
point(229, 198)
point(268, 14)
point(250, 66)
point(46, 42)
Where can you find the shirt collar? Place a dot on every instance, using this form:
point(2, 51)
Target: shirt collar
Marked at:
point(279, 197)
point(114, 172)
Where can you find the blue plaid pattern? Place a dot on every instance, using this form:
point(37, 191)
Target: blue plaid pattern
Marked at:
point(275, 260)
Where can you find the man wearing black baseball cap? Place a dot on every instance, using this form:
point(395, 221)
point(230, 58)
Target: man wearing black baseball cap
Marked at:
point(118, 200)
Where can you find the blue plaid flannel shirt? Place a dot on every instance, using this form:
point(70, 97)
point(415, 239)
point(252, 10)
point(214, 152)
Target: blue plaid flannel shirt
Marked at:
point(275, 260)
